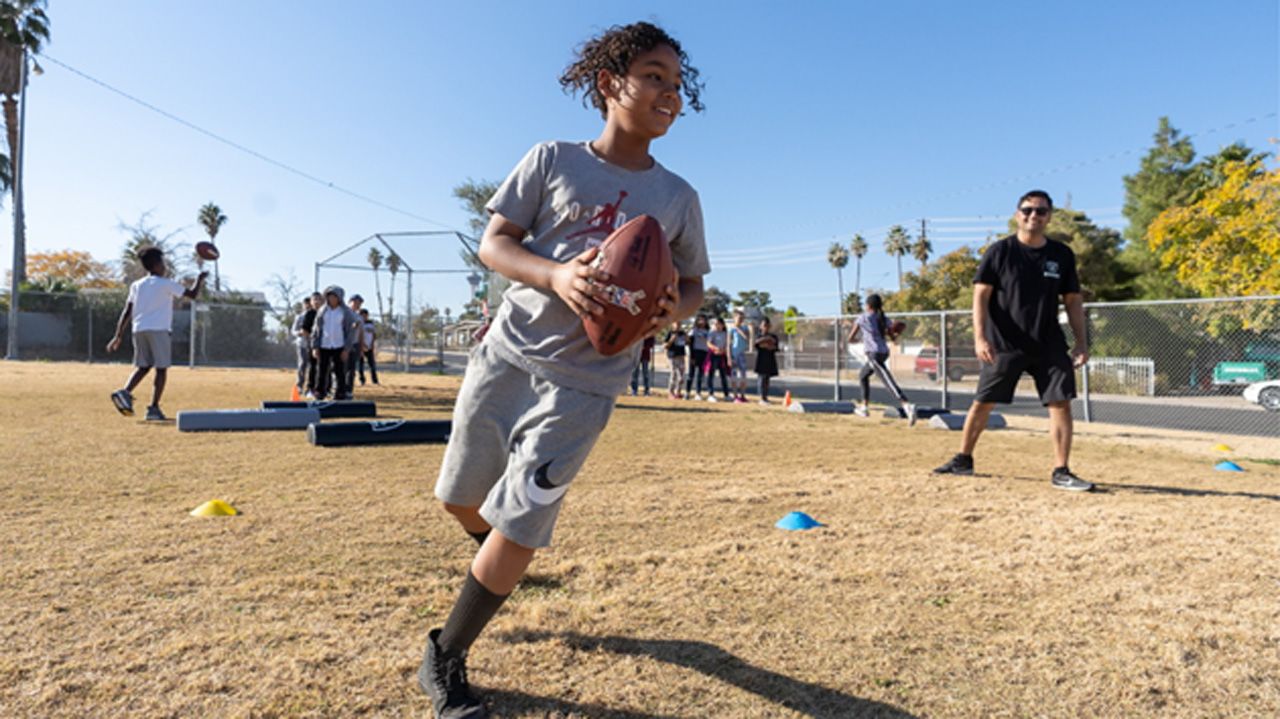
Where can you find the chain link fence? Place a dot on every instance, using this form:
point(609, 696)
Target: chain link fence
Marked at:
point(78, 326)
point(1181, 364)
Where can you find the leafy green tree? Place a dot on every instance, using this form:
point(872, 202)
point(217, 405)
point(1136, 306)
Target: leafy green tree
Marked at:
point(212, 220)
point(857, 248)
point(1160, 183)
point(897, 244)
point(715, 302)
point(947, 284)
point(756, 300)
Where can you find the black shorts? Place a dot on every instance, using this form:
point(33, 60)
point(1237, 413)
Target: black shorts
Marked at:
point(1054, 375)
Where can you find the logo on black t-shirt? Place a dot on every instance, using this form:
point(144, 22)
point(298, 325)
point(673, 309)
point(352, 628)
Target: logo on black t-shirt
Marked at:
point(1051, 269)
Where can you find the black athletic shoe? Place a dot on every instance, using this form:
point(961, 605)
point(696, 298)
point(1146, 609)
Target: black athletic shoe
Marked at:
point(961, 464)
point(155, 415)
point(1064, 479)
point(123, 402)
point(444, 678)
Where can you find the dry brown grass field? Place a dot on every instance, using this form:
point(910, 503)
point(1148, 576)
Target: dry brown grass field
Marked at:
point(668, 593)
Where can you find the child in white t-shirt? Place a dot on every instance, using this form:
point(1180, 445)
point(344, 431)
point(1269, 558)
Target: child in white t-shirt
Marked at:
point(150, 304)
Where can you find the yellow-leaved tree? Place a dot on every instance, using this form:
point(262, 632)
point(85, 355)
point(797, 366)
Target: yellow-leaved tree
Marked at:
point(69, 267)
point(1227, 242)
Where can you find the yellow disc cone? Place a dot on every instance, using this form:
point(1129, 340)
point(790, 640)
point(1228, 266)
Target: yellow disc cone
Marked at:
point(214, 508)
point(1223, 448)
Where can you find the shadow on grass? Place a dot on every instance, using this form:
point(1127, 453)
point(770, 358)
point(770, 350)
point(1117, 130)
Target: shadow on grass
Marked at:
point(809, 699)
point(507, 703)
point(1100, 488)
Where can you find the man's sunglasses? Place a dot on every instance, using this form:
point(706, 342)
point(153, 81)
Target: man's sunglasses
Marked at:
point(1037, 211)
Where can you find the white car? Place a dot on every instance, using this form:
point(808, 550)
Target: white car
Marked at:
point(1265, 393)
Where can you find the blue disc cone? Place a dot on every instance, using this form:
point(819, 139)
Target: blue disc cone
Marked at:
point(1228, 467)
point(797, 521)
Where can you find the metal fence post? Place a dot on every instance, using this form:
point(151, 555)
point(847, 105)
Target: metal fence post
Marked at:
point(440, 344)
point(88, 305)
point(836, 331)
point(191, 337)
point(1084, 370)
point(942, 360)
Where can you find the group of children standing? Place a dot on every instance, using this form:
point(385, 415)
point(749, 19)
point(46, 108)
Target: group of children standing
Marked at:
point(722, 351)
point(333, 341)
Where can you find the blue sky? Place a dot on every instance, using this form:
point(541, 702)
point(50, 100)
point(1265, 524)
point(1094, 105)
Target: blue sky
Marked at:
point(823, 119)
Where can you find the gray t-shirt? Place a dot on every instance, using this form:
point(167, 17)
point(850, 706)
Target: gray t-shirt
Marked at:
point(872, 338)
point(569, 199)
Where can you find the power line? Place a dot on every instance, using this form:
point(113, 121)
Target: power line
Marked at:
point(246, 150)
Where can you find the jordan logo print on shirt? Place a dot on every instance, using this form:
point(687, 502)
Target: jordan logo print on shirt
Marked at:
point(604, 221)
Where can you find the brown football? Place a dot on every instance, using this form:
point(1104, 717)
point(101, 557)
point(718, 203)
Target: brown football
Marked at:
point(207, 250)
point(638, 261)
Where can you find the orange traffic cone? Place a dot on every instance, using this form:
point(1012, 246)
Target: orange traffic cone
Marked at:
point(295, 396)
point(787, 401)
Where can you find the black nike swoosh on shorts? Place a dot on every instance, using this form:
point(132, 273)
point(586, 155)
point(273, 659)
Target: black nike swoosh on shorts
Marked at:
point(541, 480)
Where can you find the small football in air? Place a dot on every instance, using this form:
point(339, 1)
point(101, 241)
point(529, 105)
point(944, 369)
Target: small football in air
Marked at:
point(638, 261)
point(207, 250)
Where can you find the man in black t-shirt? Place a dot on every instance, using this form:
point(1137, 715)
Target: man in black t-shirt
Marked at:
point(1016, 330)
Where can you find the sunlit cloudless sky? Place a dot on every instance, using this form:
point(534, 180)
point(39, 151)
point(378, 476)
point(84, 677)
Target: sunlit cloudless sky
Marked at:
point(823, 119)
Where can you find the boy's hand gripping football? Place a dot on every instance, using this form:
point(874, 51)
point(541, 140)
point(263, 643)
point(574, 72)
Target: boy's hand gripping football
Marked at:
point(664, 312)
point(580, 285)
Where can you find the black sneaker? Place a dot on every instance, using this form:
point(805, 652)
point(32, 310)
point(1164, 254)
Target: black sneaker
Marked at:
point(961, 464)
point(1064, 479)
point(123, 402)
point(444, 678)
point(155, 415)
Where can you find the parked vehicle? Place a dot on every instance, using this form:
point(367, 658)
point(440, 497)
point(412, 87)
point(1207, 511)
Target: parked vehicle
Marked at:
point(961, 361)
point(1265, 393)
point(1239, 372)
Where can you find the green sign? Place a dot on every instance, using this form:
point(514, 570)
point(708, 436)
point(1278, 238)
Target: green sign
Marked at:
point(789, 321)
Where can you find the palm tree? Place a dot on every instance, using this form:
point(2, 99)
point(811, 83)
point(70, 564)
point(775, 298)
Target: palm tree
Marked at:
point(375, 261)
point(858, 247)
point(838, 256)
point(921, 249)
point(393, 266)
point(24, 27)
point(212, 219)
point(897, 244)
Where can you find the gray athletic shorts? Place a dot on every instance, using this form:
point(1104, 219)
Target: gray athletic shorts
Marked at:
point(517, 442)
point(152, 348)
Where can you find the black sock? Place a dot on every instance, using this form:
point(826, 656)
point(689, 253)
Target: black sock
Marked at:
point(480, 536)
point(472, 612)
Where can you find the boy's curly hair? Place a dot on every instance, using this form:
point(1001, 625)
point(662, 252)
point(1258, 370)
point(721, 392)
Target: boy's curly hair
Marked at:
point(614, 50)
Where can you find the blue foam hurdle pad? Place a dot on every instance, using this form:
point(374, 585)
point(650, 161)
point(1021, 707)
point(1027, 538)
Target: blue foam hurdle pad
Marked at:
point(239, 420)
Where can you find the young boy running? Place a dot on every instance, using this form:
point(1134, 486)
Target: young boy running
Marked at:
point(536, 393)
point(150, 304)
